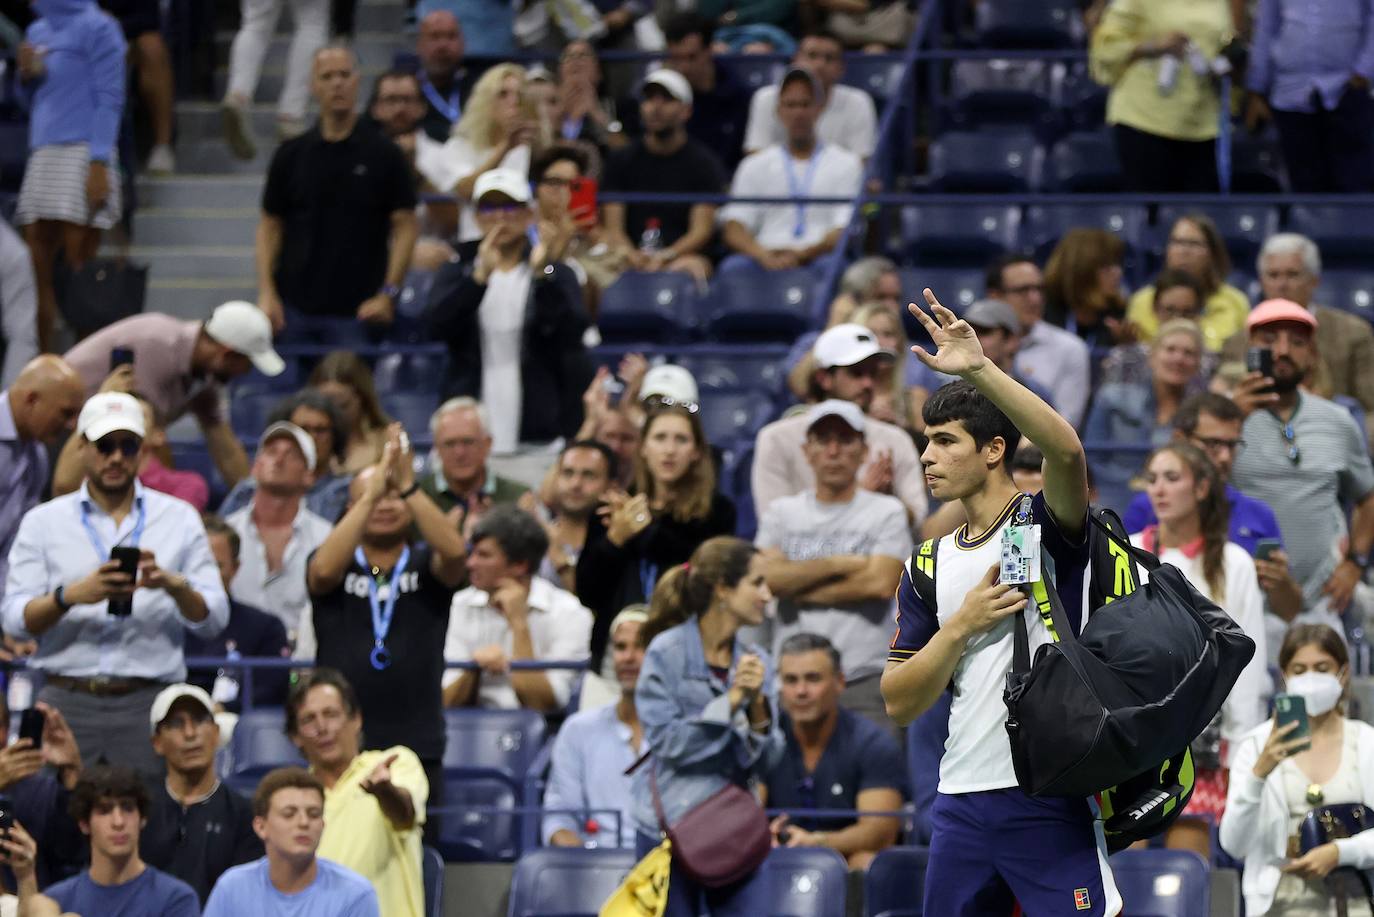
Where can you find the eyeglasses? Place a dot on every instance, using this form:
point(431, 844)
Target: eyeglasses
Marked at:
point(1211, 444)
point(127, 445)
point(1294, 455)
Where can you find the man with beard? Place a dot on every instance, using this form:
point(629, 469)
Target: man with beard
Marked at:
point(109, 641)
point(1305, 457)
point(584, 470)
point(398, 109)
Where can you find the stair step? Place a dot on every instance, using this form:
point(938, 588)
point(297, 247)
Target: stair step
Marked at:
point(205, 121)
point(188, 298)
point(191, 190)
point(374, 49)
point(205, 226)
point(191, 262)
point(213, 157)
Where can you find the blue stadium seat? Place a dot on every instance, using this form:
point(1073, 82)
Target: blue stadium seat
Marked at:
point(1163, 883)
point(478, 821)
point(1349, 291)
point(1000, 92)
point(1344, 233)
point(753, 70)
point(1082, 100)
point(728, 416)
point(411, 371)
point(412, 408)
point(807, 882)
point(285, 382)
point(957, 288)
point(736, 484)
point(487, 754)
point(648, 307)
point(742, 369)
point(1243, 226)
point(432, 874)
point(959, 235)
point(895, 882)
point(259, 743)
point(1026, 24)
point(758, 305)
point(1084, 162)
point(877, 74)
point(988, 161)
point(1045, 223)
point(567, 881)
point(500, 741)
point(249, 409)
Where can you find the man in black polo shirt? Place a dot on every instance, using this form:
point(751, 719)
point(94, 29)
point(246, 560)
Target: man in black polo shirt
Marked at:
point(197, 827)
point(664, 160)
point(338, 211)
point(835, 759)
point(381, 605)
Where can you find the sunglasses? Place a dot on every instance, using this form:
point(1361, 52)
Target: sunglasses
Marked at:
point(128, 446)
point(1294, 455)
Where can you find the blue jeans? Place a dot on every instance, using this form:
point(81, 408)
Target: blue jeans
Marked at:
point(687, 898)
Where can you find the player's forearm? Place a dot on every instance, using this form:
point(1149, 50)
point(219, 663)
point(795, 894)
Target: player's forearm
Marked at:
point(1037, 421)
point(911, 687)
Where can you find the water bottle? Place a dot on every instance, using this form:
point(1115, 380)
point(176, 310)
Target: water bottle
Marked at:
point(651, 240)
point(1168, 74)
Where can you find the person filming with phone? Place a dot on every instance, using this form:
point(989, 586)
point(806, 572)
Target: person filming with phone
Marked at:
point(87, 581)
point(1294, 776)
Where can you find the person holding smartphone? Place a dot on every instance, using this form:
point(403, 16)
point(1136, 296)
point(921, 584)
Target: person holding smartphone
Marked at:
point(1278, 776)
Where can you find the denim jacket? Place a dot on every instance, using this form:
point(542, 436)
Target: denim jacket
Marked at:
point(698, 743)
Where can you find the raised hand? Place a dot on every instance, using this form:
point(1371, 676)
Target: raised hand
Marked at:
point(958, 352)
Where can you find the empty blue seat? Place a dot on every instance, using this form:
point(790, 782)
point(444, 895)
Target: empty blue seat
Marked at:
point(753, 70)
point(877, 74)
point(957, 288)
point(759, 305)
point(959, 236)
point(478, 821)
point(259, 743)
point(895, 882)
point(807, 882)
point(1027, 24)
point(413, 409)
point(733, 370)
point(487, 754)
point(432, 875)
point(642, 306)
point(1081, 102)
point(567, 881)
point(988, 161)
point(1349, 291)
point(1343, 232)
point(249, 409)
point(729, 416)
point(1084, 162)
point(991, 92)
point(1163, 883)
point(500, 741)
point(1046, 223)
point(410, 371)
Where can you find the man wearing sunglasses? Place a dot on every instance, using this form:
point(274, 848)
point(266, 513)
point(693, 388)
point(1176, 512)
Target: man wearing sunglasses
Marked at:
point(110, 640)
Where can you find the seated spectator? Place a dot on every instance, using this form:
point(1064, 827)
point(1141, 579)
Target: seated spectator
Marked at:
point(582, 474)
point(1140, 413)
point(720, 103)
point(346, 380)
point(445, 82)
point(110, 805)
point(288, 816)
point(464, 486)
point(196, 828)
point(835, 759)
point(18, 305)
point(1186, 494)
point(57, 591)
point(664, 160)
point(1290, 267)
point(1083, 287)
point(374, 801)
point(789, 235)
point(1196, 248)
point(182, 366)
point(508, 614)
point(513, 319)
point(586, 116)
point(367, 571)
point(674, 508)
point(251, 632)
point(869, 279)
point(318, 415)
point(1177, 295)
point(1305, 457)
point(553, 174)
point(276, 530)
point(847, 117)
point(397, 107)
point(72, 188)
point(1056, 359)
point(190, 486)
point(258, 23)
point(834, 555)
point(592, 752)
point(338, 212)
point(1278, 779)
point(848, 359)
point(38, 783)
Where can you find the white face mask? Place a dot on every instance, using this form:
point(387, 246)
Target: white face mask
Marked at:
point(1319, 690)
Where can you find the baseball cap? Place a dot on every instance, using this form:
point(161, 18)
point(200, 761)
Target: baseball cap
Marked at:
point(846, 345)
point(243, 327)
point(107, 412)
point(302, 438)
point(671, 382)
point(162, 704)
point(847, 411)
point(672, 82)
point(503, 181)
point(992, 313)
point(1272, 311)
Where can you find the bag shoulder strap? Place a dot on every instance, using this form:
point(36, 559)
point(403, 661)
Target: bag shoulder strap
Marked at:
point(1046, 600)
point(921, 567)
point(1114, 529)
point(639, 762)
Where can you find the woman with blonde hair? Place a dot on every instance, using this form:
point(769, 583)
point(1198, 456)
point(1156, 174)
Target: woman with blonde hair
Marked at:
point(346, 380)
point(1083, 286)
point(1196, 247)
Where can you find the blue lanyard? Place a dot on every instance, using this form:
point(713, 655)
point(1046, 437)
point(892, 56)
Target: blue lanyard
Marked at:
point(383, 606)
point(134, 537)
point(450, 108)
point(648, 578)
point(800, 189)
point(572, 128)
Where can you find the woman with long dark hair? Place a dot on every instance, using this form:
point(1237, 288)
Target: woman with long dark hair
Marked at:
point(346, 380)
point(1083, 286)
point(707, 703)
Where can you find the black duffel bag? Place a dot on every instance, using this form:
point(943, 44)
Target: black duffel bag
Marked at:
point(1144, 678)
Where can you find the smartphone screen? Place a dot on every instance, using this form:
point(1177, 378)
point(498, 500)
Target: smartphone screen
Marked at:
point(1260, 360)
point(31, 726)
point(582, 202)
point(1290, 708)
point(128, 563)
point(1266, 548)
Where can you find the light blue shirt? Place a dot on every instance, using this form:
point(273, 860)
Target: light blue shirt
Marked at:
point(590, 757)
point(53, 548)
point(23, 473)
point(1306, 46)
point(336, 892)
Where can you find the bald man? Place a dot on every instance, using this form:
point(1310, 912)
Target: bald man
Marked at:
point(444, 81)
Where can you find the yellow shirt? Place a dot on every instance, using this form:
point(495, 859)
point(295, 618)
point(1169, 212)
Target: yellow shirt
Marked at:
point(1223, 315)
point(1191, 111)
point(359, 836)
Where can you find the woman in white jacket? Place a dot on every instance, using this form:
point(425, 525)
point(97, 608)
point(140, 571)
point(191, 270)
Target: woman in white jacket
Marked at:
point(1190, 503)
point(1276, 781)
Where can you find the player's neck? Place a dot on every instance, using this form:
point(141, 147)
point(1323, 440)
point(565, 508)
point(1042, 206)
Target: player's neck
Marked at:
point(984, 507)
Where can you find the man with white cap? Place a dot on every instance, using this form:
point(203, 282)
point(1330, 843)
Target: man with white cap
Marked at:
point(182, 366)
point(848, 357)
point(277, 532)
point(196, 827)
point(665, 160)
point(109, 639)
point(835, 552)
point(512, 316)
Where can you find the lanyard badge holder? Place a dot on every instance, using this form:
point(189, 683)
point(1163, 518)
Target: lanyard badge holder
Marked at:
point(381, 597)
point(1021, 548)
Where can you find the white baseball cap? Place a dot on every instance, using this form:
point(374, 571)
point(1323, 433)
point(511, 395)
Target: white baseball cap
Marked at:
point(302, 439)
point(670, 381)
point(847, 411)
point(162, 704)
point(847, 345)
point(672, 82)
point(107, 412)
point(243, 327)
point(504, 181)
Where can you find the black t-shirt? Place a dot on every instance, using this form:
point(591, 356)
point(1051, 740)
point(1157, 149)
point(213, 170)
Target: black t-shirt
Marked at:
point(335, 201)
point(691, 170)
point(198, 843)
point(403, 703)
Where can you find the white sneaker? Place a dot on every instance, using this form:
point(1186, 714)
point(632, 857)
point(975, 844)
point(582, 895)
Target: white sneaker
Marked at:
point(289, 127)
point(162, 161)
point(238, 129)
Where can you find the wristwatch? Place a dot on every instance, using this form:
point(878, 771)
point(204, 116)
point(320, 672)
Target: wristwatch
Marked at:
point(60, 599)
point(1359, 560)
point(409, 491)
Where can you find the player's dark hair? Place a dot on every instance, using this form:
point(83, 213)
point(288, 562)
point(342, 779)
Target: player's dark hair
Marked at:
point(984, 421)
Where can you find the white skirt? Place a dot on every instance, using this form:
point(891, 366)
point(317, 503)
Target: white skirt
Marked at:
point(54, 188)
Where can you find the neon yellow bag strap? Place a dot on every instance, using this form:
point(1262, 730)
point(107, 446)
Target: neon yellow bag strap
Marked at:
point(644, 893)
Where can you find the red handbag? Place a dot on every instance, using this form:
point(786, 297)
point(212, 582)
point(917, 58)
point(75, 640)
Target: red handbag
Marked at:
point(720, 840)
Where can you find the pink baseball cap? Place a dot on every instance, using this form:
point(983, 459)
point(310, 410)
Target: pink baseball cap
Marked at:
point(1272, 311)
